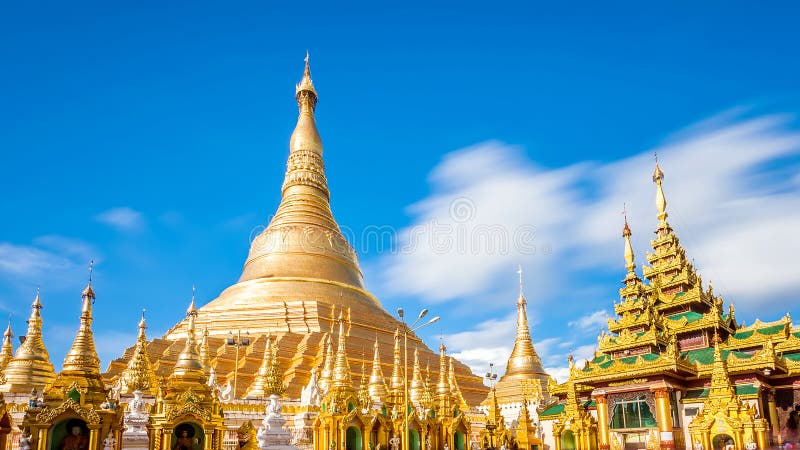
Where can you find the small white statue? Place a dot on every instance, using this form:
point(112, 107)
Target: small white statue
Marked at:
point(751, 446)
point(446, 447)
point(503, 446)
point(698, 445)
point(394, 442)
point(109, 443)
point(212, 378)
point(25, 441)
point(226, 393)
point(274, 407)
point(310, 394)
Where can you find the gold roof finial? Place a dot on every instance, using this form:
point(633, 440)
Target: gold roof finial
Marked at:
point(626, 233)
point(455, 391)
point(327, 363)
point(7, 350)
point(82, 356)
point(139, 374)
point(31, 367)
point(442, 387)
point(377, 384)
point(305, 135)
point(661, 200)
point(274, 383)
point(523, 359)
point(261, 386)
point(188, 368)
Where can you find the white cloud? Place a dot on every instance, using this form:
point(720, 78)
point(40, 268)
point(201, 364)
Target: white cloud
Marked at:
point(592, 322)
point(122, 219)
point(723, 202)
point(29, 261)
point(733, 199)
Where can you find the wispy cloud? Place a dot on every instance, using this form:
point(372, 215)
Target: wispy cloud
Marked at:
point(734, 200)
point(122, 219)
point(591, 322)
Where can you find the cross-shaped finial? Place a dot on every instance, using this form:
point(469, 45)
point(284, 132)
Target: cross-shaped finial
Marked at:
point(91, 269)
point(519, 272)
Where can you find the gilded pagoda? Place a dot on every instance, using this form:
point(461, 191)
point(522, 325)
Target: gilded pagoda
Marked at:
point(675, 369)
point(300, 271)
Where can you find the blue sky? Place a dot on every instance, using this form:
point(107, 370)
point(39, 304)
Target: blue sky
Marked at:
point(153, 139)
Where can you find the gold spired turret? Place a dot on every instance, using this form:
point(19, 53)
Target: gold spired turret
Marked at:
point(189, 369)
point(31, 367)
point(7, 350)
point(139, 375)
point(327, 364)
point(377, 383)
point(258, 388)
point(524, 365)
point(396, 385)
point(341, 371)
point(417, 386)
point(82, 356)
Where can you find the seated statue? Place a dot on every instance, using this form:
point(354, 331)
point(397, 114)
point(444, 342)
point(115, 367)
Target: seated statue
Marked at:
point(75, 440)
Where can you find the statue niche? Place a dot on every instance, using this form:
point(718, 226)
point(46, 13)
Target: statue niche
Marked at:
point(69, 434)
point(187, 436)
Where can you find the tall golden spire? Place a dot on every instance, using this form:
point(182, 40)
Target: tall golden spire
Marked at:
point(417, 386)
point(303, 232)
point(82, 356)
point(31, 367)
point(377, 384)
point(258, 388)
point(327, 364)
point(523, 360)
point(721, 387)
point(188, 368)
point(396, 385)
point(139, 374)
point(7, 351)
point(341, 370)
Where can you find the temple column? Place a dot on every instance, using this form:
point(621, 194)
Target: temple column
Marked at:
point(603, 431)
point(42, 442)
point(166, 439)
point(94, 435)
point(557, 439)
point(664, 418)
point(208, 439)
point(772, 413)
point(761, 438)
point(706, 439)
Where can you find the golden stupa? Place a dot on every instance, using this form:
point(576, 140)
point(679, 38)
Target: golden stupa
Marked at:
point(300, 274)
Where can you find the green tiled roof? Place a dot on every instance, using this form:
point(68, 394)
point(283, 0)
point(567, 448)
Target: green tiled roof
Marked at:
point(553, 410)
point(679, 294)
point(706, 355)
point(792, 356)
point(766, 331)
point(743, 334)
point(691, 316)
point(741, 389)
point(558, 408)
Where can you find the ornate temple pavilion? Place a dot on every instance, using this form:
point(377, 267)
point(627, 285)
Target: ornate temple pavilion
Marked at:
point(676, 369)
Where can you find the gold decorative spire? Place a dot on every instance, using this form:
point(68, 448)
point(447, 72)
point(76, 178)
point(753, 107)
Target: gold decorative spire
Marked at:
point(341, 370)
point(363, 388)
point(721, 388)
point(205, 353)
point(661, 200)
point(258, 388)
point(523, 360)
point(82, 356)
point(455, 391)
point(31, 367)
point(139, 374)
point(629, 256)
point(7, 351)
point(377, 384)
point(274, 383)
point(417, 387)
point(188, 368)
point(396, 385)
point(327, 365)
point(303, 232)
point(443, 387)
